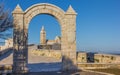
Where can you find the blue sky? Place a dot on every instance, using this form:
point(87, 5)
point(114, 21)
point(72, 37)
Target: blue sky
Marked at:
point(98, 23)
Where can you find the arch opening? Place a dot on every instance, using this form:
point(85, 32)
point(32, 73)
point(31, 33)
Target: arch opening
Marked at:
point(50, 53)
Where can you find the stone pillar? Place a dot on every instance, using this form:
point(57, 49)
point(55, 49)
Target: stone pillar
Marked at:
point(19, 55)
point(69, 52)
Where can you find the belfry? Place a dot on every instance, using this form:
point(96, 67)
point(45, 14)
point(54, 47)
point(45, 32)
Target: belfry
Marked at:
point(42, 36)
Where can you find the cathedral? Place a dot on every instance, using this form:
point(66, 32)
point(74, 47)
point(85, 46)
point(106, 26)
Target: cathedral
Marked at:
point(49, 44)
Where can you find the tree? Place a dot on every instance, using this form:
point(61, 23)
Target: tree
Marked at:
point(6, 22)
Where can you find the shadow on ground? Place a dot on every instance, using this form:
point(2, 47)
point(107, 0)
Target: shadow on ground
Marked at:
point(6, 54)
point(64, 73)
point(44, 67)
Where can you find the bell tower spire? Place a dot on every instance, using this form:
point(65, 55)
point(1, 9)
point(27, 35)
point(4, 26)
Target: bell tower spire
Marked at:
point(42, 36)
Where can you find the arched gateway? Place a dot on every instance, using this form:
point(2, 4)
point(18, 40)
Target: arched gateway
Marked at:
point(67, 21)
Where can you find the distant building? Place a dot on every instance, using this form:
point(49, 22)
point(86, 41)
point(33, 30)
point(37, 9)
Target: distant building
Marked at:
point(42, 36)
point(8, 44)
point(49, 44)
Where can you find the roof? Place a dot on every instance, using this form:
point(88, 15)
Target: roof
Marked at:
point(50, 42)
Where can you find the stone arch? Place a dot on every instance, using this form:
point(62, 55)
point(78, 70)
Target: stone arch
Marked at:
point(44, 8)
point(67, 21)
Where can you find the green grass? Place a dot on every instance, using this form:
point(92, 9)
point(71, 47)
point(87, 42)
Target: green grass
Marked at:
point(115, 71)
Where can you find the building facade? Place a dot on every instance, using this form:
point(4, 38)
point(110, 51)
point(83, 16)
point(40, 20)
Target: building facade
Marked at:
point(8, 44)
point(49, 44)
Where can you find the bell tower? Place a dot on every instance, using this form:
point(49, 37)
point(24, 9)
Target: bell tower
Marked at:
point(42, 36)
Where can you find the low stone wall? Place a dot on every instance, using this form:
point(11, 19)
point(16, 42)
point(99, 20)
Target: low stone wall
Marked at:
point(49, 53)
point(5, 69)
point(82, 57)
point(106, 58)
point(81, 63)
point(97, 65)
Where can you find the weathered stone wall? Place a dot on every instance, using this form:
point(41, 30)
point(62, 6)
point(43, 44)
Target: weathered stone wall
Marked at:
point(49, 53)
point(8, 44)
point(81, 57)
point(58, 55)
point(106, 58)
point(97, 65)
